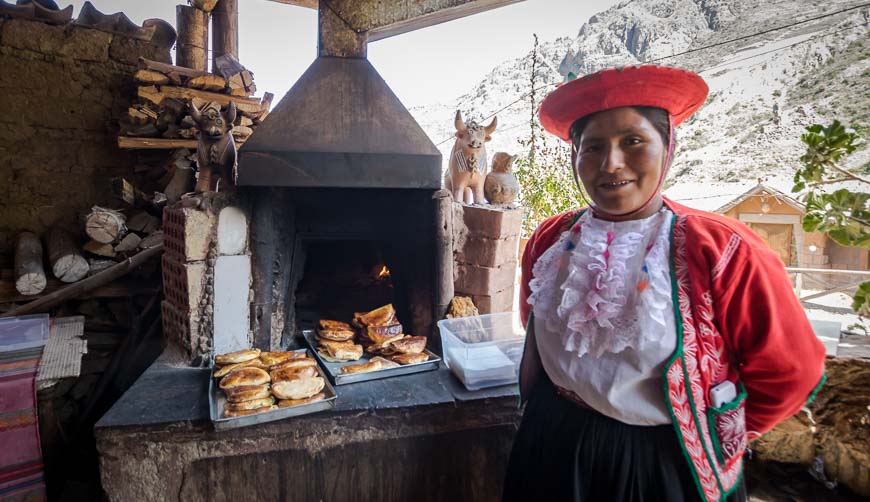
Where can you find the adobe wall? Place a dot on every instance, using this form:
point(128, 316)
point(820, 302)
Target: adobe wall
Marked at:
point(62, 89)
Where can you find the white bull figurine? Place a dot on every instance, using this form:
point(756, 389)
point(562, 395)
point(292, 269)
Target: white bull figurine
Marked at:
point(467, 167)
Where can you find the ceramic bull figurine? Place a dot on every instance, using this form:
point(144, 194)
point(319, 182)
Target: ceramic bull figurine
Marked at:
point(216, 155)
point(467, 165)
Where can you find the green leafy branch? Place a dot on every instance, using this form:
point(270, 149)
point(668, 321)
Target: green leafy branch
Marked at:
point(844, 215)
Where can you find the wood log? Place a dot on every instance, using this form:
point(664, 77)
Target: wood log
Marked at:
point(181, 183)
point(105, 225)
point(150, 77)
point(150, 93)
point(192, 45)
point(241, 132)
point(252, 107)
point(79, 288)
point(204, 5)
point(159, 143)
point(146, 110)
point(225, 23)
point(100, 249)
point(127, 192)
point(67, 263)
point(153, 240)
point(175, 73)
point(244, 121)
point(130, 242)
point(208, 83)
point(117, 289)
point(29, 274)
point(266, 103)
point(137, 117)
point(143, 222)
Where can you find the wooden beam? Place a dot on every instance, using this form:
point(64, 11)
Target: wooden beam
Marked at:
point(192, 49)
point(225, 23)
point(127, 142)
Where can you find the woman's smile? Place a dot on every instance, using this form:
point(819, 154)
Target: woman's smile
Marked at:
point(620, 159)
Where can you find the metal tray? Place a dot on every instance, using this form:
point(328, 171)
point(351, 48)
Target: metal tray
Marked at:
point(216, 400)
point(332, 369)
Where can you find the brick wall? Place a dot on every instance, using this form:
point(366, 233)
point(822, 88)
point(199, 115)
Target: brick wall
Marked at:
point(62, 89)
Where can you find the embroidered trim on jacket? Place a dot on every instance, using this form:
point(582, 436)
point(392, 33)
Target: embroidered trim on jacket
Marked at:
point(725, 259)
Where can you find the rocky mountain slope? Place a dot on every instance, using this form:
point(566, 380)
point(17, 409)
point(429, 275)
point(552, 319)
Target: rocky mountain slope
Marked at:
point(773, 67)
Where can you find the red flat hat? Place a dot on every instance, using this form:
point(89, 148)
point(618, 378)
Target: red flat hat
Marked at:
point(680, 92)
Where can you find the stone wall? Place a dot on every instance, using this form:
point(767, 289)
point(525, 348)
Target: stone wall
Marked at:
point(62, 89)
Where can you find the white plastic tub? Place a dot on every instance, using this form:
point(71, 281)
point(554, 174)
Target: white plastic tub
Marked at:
point(482, 351)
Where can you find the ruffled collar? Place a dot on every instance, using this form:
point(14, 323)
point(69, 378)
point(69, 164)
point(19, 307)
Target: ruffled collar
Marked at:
point(605, 288)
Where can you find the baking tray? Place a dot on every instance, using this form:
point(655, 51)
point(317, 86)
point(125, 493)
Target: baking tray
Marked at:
point(332, 369)
point(216, 400)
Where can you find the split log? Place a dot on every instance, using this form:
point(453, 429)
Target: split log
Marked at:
point(192, 47)
point(127, 192)
point(241, 132)
point(225, 23)
point(244, 121)
point(67, 263)
point(266, 103)
point(181, 183)
point(105, 225)
point(143, 222)
point(137, 117)
point(208, 83)
point(29, 274)
point(175, 73)
point(129, 243)
point(153, 240)
point(251, 107)
point(151, 77)
point(79, 288)
point(150, 93)
point(100, 249)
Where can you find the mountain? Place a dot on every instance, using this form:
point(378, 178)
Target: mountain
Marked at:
point(773, 67)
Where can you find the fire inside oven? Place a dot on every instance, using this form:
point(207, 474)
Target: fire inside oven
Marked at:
point(341, 277)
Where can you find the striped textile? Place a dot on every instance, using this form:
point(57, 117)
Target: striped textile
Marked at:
point(21, 474)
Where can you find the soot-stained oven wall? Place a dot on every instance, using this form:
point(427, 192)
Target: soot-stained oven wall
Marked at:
point(408, 229)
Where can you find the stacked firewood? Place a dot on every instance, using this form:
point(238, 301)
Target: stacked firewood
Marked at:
point(165, 92)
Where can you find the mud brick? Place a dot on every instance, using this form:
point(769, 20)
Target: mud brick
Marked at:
point(486, 281)
point(187, 233)
point(486, 252)
point(481, 221)
point(181, 326)
point(183, 282)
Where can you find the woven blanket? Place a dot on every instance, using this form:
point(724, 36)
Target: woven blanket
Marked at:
point(21, 474)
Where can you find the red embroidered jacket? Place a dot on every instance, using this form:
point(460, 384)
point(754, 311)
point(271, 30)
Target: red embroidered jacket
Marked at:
point(737, 319)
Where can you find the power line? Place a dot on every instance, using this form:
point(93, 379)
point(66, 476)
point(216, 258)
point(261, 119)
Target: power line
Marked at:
point(771, 30)
point(526, 94)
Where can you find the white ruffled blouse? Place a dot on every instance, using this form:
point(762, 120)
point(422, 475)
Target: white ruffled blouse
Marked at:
point(603, 313)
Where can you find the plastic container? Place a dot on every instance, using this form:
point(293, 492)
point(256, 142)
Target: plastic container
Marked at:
point(483, 351)
point(23, 332)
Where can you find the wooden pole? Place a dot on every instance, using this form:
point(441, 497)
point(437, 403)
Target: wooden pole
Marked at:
point(192, 49)
point(225, 23)
point(29, 274)
point(73, 290)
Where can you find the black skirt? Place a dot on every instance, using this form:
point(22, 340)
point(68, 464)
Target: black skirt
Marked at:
point(565, 452)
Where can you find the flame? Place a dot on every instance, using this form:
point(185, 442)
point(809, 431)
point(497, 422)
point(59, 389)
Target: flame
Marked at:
point(384, 273)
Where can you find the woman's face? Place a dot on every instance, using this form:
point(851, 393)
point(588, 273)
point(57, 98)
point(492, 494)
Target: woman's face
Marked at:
point(619, 160)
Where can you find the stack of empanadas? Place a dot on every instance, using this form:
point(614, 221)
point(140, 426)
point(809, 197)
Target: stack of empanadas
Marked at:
point(335, 339)
point(253, 381)
point(382, 334)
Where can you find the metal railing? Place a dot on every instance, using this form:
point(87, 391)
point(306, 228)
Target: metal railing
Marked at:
point(800, 273)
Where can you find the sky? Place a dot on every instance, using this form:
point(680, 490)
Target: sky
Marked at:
point(277, 42)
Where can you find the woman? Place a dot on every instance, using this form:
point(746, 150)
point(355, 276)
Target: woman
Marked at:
point(658, 337)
